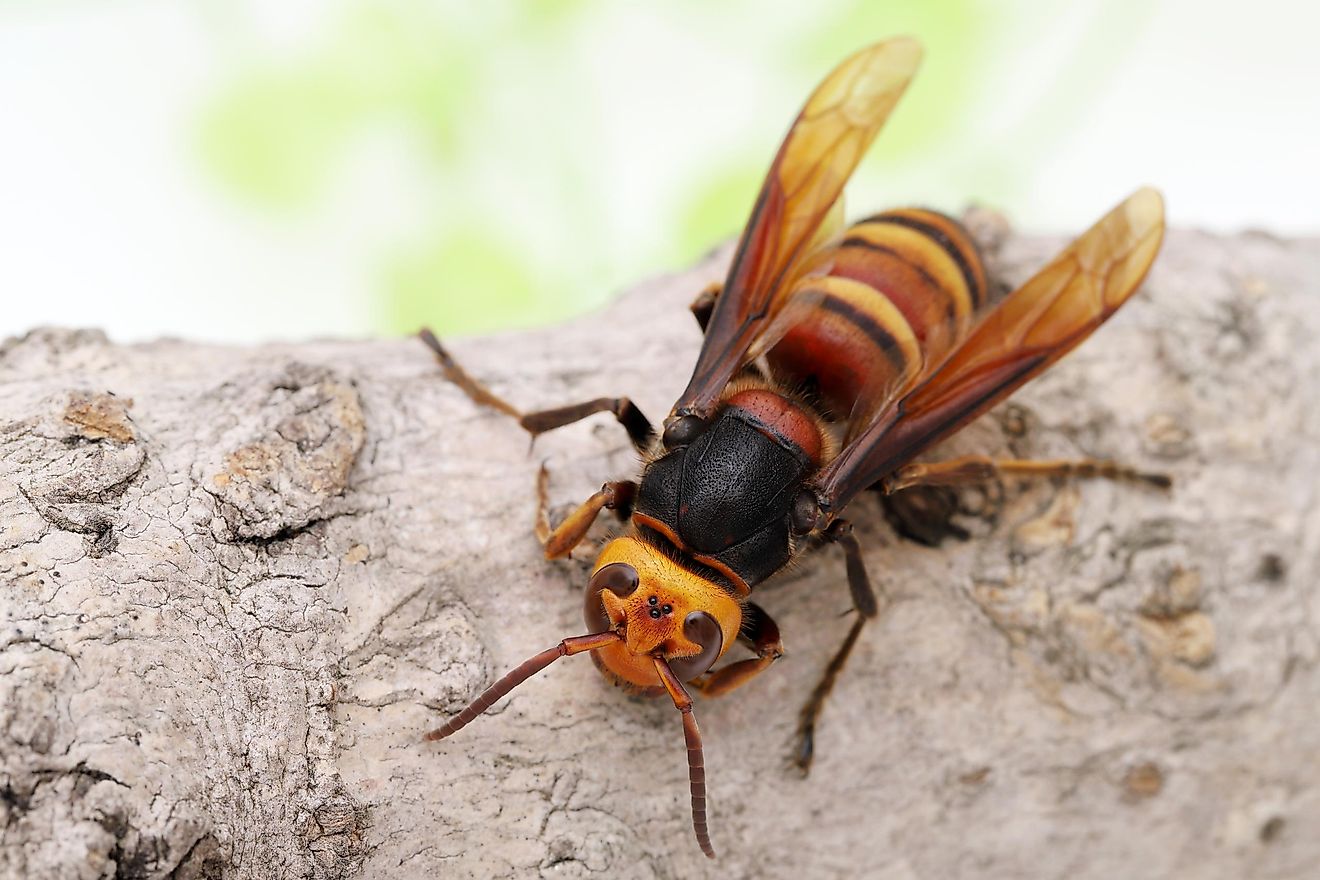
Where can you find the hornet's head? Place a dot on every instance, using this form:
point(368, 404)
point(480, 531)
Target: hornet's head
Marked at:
point(654, 624)
point(660, 609)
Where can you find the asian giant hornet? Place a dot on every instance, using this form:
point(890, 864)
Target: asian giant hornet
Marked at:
point(832, 358)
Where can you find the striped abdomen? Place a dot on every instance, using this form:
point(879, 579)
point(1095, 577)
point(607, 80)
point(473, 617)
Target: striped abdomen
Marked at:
point(902, 289)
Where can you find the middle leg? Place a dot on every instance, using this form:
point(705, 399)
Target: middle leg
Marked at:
point(536, 423)
point(704, 304)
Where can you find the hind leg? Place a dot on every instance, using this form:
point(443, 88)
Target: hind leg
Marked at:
point(923, 513)
point(979, 468)
point(864, 601)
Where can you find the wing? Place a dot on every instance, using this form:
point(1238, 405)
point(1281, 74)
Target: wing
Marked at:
point(826, 142)
point(903, 289)
point(794, 299)
point(1027, 331)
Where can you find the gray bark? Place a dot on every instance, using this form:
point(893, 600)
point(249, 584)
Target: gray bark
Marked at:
point(238, 584)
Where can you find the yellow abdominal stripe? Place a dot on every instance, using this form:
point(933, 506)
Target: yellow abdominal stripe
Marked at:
point(927, 254)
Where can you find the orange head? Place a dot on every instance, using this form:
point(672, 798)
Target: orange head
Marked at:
point(660, 609)
point(654, 625)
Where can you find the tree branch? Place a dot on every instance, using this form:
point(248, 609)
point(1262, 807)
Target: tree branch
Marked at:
point(238, 584)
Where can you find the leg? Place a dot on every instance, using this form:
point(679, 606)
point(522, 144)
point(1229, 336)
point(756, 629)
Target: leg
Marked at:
point(859, 585)
point(704, 304)
point(761, 634)
point(701, 309)
point(806, 732)
point(535, 423)
point(634, 422)
point(923, 513)
point(975, 468)
point(560, 541)
point(840, 531)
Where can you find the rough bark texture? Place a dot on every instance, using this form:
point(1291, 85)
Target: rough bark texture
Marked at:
point(238, 584)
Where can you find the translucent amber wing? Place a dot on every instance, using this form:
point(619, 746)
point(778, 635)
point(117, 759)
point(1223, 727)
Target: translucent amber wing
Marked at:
point(826, 142)
point(793, 301)
point(1027, 331)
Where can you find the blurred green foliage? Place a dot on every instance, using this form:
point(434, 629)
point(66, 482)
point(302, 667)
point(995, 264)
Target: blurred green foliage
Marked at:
point(278, 132)
point(538, 238)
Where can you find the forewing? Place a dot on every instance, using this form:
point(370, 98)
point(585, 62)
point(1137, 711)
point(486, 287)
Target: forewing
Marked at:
point(794, 299)
point(1027, 331)
point(826, 142)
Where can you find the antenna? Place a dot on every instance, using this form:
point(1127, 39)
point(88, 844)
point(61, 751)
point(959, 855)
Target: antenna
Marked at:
point(566, 648)
point(696, 758)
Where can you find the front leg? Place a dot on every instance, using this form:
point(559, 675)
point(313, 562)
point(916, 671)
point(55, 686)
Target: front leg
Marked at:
point(761, 634)
point(633, 420)
point(560, 541)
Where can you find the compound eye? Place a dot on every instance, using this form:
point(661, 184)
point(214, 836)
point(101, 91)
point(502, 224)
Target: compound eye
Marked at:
point(683, 431)
point(619, 578)
point(703, 629)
